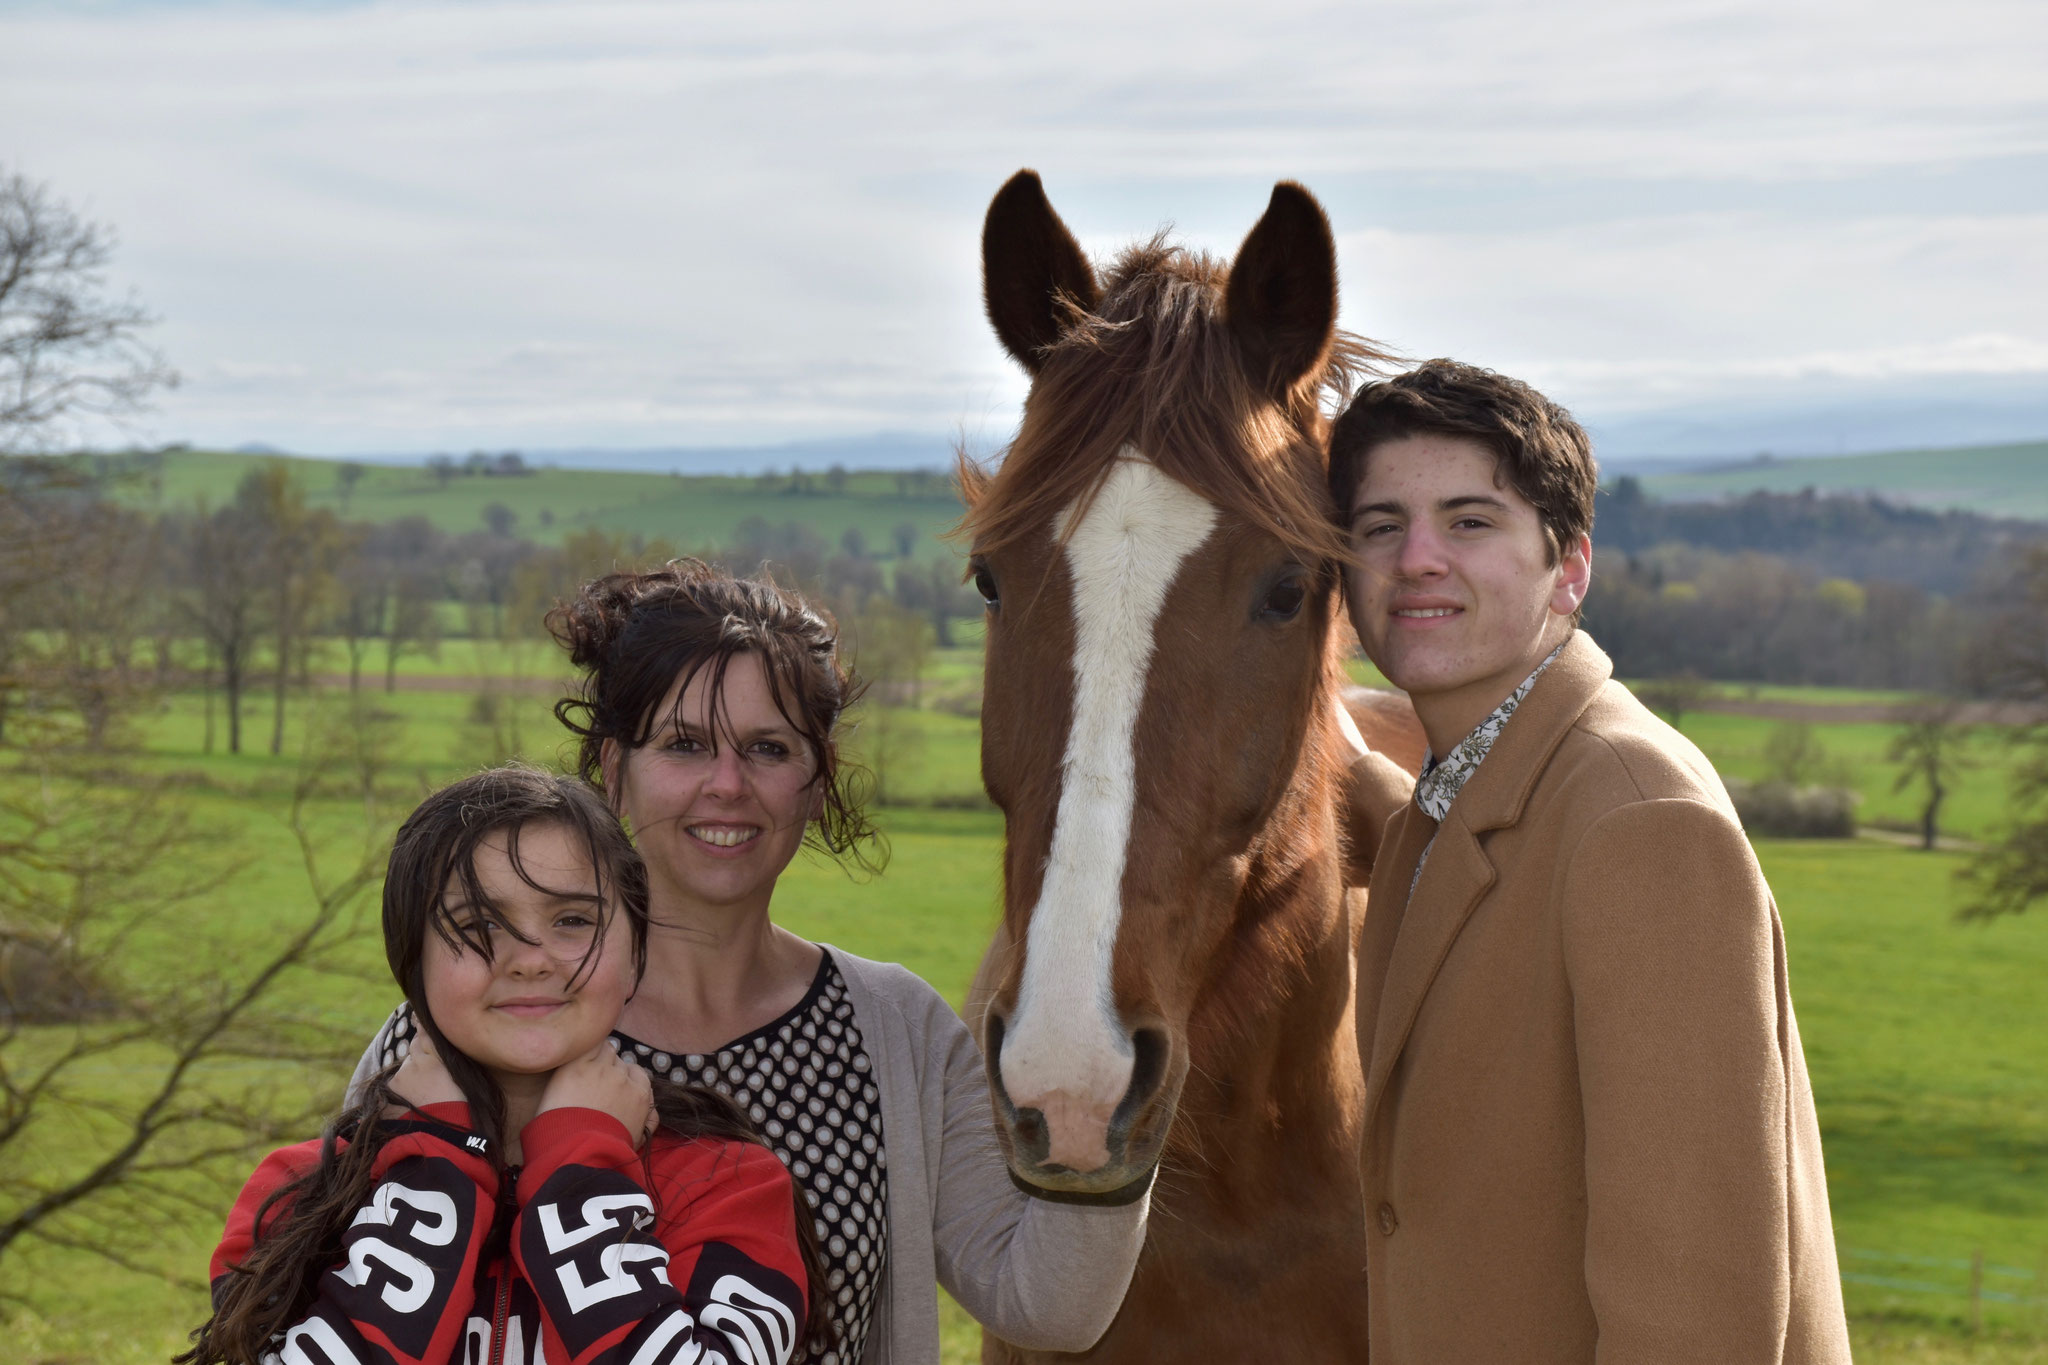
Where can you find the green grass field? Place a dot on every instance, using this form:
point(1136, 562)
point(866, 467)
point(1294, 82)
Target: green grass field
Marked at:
point(2008, 480)
point(1974, 809)
point(1927, 1039)
point(1997, 480)
point(690, 513)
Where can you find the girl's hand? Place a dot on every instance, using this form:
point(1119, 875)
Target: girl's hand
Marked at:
point(603, 1080)
point(422, 1079)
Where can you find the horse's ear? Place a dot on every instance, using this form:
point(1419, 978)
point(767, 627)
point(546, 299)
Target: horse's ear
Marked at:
point(1282, 299)
point(1028, 260)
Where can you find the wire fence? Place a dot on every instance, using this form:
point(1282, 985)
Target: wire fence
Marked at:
point(1978, 1283)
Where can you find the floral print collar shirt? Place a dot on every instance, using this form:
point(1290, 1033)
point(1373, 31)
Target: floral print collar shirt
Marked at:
point(1443, 778)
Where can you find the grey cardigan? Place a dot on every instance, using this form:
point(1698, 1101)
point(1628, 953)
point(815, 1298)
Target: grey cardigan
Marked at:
point(1044, 1275)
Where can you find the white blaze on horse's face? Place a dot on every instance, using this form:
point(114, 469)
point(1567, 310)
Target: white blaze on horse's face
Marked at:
point(1066, 1053)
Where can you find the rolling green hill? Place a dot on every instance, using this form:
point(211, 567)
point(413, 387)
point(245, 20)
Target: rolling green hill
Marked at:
point(1997, 481)
point(689, 512)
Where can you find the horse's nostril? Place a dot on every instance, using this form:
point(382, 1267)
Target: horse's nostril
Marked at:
point(993, 1058)
point(1149, 1048)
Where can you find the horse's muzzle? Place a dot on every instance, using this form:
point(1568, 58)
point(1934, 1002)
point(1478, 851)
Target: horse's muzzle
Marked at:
point(1066, 1144)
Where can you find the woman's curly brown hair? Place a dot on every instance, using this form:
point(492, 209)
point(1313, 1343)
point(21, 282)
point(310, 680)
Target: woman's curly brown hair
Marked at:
point(634, 635)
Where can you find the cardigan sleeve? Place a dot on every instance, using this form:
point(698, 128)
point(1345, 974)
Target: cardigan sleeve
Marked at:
point(373, 1058)
point(1041, 1275)
point(1683, 1028)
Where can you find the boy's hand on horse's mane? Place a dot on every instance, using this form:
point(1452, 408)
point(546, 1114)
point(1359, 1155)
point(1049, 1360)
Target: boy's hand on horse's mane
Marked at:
point(422, 1079)
point(603, 1080)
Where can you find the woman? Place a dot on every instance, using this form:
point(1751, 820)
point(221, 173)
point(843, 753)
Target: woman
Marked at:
point(707, 714)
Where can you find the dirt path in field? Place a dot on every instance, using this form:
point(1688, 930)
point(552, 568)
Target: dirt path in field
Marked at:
point(1819, 713)
point(434, 682)
point(894, 693)
point(1901, 839)
point(1853, 713)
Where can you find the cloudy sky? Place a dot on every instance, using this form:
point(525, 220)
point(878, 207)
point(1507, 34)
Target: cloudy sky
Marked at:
point(403, 227)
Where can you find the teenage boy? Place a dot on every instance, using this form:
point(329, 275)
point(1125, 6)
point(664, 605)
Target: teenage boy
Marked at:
point(1589, 1132)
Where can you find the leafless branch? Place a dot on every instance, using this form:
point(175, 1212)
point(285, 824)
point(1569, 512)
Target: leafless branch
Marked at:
point(66, 347)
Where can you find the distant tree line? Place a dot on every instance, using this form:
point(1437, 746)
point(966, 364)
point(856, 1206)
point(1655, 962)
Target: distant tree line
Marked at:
point(1800, 588)
point(1861, 538)
point(247, 598)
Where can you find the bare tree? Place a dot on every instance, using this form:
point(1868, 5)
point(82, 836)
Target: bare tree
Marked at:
point(107, 971)
point(95, 607)
point(1794, 756)
point(224, 601)
point(414, 627)
point(363, 601)
point(2010, 659)
point(935, 589)
point(24, 565)
point(301, 549)
point(346, 476)
point(1671, 697)
point(892, 646)
point(88, 923)
point(1932, 747)
point(67, 349)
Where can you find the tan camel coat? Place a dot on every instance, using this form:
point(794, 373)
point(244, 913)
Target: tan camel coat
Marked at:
point(1589, 1131)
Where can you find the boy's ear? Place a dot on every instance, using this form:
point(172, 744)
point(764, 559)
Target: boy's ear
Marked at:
point(1575, 577)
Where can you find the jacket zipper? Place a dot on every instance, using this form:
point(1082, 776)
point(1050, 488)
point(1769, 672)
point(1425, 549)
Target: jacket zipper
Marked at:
point(509, 1179)
point(499, 1316)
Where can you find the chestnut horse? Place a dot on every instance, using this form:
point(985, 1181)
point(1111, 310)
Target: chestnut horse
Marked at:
point(1161, 728)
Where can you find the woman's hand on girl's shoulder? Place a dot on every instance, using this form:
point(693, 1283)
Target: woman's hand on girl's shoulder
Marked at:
point(423, 1079)
point(603, 1080)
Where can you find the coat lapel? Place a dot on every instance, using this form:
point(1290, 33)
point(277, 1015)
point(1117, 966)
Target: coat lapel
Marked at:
point(1459, 874)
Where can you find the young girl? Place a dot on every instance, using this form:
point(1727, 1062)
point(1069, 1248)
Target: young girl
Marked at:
point(514, 1191)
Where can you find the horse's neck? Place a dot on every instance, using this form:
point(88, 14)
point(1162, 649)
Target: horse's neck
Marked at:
point(1276, 1017)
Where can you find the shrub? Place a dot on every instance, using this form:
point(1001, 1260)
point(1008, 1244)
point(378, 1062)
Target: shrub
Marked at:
point(1779, 810)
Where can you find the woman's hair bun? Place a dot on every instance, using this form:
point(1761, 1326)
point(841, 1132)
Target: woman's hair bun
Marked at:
point(591, 622)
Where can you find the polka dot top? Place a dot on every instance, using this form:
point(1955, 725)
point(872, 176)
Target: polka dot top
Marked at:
point(807, 1083)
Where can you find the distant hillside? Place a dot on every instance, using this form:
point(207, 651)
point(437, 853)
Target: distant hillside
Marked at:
point(1995, 480)
point(1830, 535)
point(548, 504)
point(885, 450)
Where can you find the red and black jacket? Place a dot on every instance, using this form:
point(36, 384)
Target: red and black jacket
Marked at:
point(686, 1252)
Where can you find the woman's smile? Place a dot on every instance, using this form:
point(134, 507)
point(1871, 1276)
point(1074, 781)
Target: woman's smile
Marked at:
point(722, 789)
point(724, 838)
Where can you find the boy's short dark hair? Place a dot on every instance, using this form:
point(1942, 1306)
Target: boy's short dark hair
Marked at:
point(1544, 454)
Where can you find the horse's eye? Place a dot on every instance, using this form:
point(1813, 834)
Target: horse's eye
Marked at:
point(1283, 601)
point(985, 584)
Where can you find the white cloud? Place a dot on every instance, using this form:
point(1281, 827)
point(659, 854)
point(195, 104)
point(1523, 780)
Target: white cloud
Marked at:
point(1626, 314)
point(490, 223)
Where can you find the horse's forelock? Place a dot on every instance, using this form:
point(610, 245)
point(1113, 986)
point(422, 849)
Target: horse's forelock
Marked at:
point(1155, 367)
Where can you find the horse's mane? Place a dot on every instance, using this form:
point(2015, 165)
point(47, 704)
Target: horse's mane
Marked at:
point(1154, 365)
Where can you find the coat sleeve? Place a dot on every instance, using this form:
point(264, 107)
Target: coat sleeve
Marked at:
point(704, 1264)
point(407, 1279)
point(1041, 1275)
point(1690, 1085)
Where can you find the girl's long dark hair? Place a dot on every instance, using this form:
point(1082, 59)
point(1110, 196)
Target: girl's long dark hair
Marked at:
point(300, 1226)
